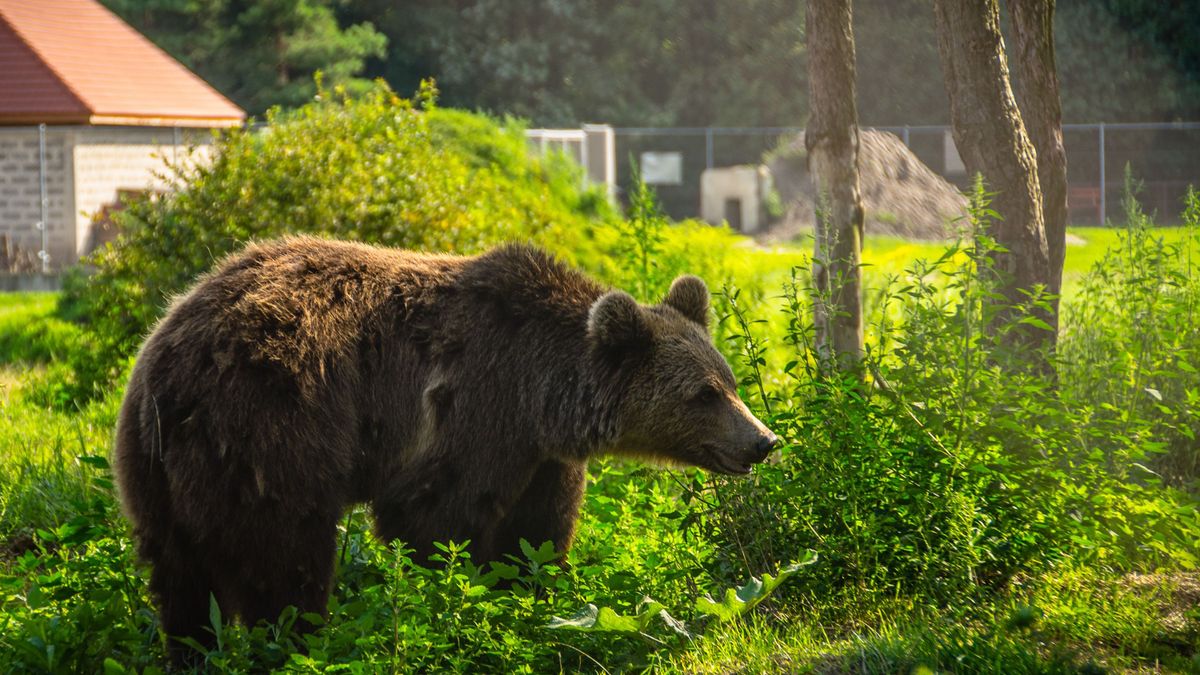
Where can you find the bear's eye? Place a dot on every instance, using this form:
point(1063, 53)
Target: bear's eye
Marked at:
point(706, 395)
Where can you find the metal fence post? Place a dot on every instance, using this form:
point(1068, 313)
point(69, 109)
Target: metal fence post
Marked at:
point(1103, 197)
point(43, 254)
point(708, 147)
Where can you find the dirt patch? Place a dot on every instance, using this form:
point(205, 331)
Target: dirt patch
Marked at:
point(16, 546)
point(901, 196)
point(1182, 606)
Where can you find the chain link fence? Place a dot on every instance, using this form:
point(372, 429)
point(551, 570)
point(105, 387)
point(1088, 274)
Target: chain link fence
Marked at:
point(1163, 157)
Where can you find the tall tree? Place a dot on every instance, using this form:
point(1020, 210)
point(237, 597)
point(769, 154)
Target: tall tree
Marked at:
point(259, 53)
point(562, 62)
point(992, 141)
point(1036, 86)
point(831, 140)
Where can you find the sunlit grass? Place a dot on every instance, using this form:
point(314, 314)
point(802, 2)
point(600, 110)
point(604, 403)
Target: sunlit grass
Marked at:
point(883, 256)
point(1070, 621)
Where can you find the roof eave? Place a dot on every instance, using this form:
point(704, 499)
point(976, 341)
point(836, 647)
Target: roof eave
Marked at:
point(62, 119)
point(165, 121)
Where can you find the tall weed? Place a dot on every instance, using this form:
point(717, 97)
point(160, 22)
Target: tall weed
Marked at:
point(1130, 351)
point(958, 467)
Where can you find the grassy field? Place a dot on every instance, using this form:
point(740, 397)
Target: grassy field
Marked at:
point(1085, 247)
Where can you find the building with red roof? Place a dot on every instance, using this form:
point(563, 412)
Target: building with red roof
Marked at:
point(89, 108)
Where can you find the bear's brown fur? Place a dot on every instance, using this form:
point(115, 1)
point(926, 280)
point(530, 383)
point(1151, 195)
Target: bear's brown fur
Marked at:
point(460, 396)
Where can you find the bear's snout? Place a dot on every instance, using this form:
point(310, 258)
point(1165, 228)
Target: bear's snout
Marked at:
point(767, 443)
point(762, 448)
point(740, 460)
point(765, 446)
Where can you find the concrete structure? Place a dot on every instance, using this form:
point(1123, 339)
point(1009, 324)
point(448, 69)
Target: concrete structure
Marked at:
point(951, 161)
point(736, 195)
point(593, 146)
point(89, 109)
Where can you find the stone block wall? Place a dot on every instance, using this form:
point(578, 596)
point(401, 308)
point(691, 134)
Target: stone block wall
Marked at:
point(20, 192)
point(86, 169)
point(111, 160)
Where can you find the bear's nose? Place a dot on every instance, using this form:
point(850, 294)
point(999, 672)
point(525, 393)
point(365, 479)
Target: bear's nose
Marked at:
point(768, 443)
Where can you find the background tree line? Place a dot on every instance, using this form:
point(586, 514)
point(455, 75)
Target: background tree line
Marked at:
point(656, 62)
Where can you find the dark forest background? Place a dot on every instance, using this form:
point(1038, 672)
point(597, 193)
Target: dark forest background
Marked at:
point(655, 62)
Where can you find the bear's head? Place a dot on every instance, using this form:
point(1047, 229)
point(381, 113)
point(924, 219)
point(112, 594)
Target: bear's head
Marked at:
point(679, 402)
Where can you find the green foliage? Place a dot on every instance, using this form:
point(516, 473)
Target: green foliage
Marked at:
point(260, 54)
point(666, 62)
point(736, 602)
point(1131, 350)
point(59, 366)
point(662, 62)
point(374, 168)
point(954, 470)
point(1147, 50)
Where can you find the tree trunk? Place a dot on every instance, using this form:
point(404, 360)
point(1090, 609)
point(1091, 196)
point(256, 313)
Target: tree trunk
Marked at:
point(831, 140)
point(991, 139)
point(1036, 87)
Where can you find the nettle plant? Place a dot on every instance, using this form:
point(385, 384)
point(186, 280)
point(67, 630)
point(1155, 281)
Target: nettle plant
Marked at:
point(1130, 351)
point(959, 463)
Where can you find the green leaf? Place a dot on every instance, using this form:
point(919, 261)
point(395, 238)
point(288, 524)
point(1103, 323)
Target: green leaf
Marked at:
point(737, 602)
point(1034, 321)
point(498, 572)
point(112, 667)
point(214, 618)
point(96, 461)
point(593, 619)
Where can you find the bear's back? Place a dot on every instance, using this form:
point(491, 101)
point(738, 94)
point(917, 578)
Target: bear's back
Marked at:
point(300, 303)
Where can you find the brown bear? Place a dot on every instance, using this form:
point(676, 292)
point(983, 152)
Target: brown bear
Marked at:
point(461, 397)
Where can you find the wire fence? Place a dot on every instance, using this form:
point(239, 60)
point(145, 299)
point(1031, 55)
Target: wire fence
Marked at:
point(1163, 157)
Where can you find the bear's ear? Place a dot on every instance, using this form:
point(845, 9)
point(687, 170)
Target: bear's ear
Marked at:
point(689, 295)
point(615, 321)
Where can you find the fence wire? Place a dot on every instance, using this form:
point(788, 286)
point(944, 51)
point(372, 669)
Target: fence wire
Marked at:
point(1163, 157)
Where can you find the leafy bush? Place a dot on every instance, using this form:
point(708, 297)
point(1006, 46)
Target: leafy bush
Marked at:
point(1130, 351)
point(376, 168)
point(955, 467)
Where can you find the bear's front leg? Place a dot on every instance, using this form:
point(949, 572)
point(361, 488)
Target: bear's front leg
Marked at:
point(448, 498)
point(545, 511)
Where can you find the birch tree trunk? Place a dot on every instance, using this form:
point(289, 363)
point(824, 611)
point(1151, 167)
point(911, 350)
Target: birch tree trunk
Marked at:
point(992, 141)
point(831, 140)
point(1036, 87)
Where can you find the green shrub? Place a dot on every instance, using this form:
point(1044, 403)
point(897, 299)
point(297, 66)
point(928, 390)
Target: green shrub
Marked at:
point(956, 467)
point(1130, 351)
point(375, 168)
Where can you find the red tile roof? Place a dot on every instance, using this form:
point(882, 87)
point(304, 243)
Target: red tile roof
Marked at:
point(74, 62)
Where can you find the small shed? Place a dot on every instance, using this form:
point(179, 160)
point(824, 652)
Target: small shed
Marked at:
point(89, 108)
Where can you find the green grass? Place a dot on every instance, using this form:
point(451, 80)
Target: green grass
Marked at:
point(892, 255)
point(29, 331)
point(1072, 621)
point(42, 482)
point(1082, 257)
